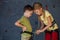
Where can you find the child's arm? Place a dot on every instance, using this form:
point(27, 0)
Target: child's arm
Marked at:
point(49, 24)
point(45, 28)
point(42, 24)
point(20, 25)
point(17, 23)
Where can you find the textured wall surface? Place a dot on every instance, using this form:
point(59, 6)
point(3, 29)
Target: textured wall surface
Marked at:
point(12, 10)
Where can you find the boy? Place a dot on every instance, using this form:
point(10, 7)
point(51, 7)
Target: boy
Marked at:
point(48, 23)
point(24, 23)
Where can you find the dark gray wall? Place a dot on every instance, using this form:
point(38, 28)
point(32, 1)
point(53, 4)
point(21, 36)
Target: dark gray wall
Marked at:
point(12, 10)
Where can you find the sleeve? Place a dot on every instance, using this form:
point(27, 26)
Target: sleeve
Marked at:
point(48, 14)
point(21, 19)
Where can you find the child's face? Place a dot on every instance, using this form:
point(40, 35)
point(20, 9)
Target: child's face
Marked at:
point(38, 11)
point(28, 13)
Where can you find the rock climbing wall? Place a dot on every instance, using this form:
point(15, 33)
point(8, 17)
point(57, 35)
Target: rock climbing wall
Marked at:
point(12, 10)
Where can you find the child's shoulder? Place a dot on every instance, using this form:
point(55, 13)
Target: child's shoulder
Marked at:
point(47, 13)
point(23, 16)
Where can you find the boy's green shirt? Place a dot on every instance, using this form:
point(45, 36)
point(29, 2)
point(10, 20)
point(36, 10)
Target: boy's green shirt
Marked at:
point(25, 21)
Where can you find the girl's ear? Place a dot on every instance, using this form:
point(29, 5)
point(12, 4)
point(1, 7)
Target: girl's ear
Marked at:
point(41, 9)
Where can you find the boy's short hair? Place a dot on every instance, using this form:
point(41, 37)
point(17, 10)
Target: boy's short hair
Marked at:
point(28, 7)
point(37, 5)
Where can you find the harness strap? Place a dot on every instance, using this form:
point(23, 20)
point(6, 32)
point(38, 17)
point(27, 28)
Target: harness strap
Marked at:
point(53, 23)
point(27, 32)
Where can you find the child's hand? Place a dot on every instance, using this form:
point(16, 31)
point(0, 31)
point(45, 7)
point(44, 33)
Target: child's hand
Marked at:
point(38, 32)
point(24, 29)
